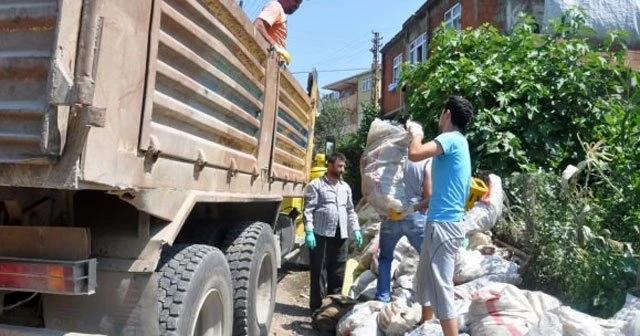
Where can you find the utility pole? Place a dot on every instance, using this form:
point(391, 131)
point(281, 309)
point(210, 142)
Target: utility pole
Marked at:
point(375, 78)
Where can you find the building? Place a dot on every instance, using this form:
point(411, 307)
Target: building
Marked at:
point(412, 42)
point(352, 93)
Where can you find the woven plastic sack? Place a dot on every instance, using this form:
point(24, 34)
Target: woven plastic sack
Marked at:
point(362, 316)
point(382, 167)
point(398, 317)
point(482, 217)
point(500, 309)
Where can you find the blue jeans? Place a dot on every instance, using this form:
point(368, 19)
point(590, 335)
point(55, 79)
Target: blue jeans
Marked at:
point(391, 232)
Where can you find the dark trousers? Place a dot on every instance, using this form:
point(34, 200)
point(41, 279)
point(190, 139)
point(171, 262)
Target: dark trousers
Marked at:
point(328, 262)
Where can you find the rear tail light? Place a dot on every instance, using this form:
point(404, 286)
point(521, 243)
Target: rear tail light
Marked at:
point(45, 276)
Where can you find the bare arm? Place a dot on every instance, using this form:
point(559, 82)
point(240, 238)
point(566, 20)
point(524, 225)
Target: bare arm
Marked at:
point(261, 26)
point(419, 151)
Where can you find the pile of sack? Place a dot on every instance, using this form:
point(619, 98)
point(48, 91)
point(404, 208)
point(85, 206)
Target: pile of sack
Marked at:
point(486, 297)
point(487, 300)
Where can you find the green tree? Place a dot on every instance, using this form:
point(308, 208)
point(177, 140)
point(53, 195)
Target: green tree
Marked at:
point(353, 145)
point(543, 102)
point(534, 94)
point(332, 120)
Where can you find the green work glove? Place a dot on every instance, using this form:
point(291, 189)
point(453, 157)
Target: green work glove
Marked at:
point(358, 237)
point(310, 240)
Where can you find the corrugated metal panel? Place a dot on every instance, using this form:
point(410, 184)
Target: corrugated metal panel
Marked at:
point(293, 131)
point(27, 38)
point(207, 89)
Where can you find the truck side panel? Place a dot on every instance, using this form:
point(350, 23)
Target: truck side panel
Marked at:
point(37, 58)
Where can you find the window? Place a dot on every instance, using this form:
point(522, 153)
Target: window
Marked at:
point(452, 17)
point(418, 49)
point(395, 75)
point(365, 84)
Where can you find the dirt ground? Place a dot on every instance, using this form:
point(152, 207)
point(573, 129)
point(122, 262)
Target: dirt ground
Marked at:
point(292, 316)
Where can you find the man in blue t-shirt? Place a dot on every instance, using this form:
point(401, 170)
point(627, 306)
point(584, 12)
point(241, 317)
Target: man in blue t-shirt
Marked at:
point(451, 179)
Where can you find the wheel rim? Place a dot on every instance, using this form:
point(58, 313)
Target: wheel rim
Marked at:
point(264, 295)
point(210, 315)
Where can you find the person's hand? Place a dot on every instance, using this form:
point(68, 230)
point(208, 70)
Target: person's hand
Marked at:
point(414, 129)
point(283, 53)
point(357, 235)
point(310, 240)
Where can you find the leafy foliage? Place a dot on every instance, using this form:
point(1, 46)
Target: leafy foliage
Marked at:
point(533, 94)
point(353, 145)
point(332, 120)
point(543, 102)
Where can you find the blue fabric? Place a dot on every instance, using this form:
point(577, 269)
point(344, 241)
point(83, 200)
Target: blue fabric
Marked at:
point(450, 178)
point(413, 227)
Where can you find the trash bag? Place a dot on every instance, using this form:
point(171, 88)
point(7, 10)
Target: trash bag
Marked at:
point(362, 283)
point(564, 321)
point(500, 309)
point(430, 328)
point(478, 239)
point(362, 316)
point(468, 266)
point(325, 319)
point(464, 291)
point(399, 317)
point(382, 167)
point(482, 216)
point(630, 314)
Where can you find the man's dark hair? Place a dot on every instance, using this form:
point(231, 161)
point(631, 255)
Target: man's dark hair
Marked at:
point(335, 156)
point(461, 111)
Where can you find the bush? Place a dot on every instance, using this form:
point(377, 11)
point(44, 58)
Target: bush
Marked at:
point(543, 102)
point(352, 147)
point(533, 94)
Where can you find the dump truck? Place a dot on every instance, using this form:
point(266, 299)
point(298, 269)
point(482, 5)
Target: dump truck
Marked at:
point(145, 149)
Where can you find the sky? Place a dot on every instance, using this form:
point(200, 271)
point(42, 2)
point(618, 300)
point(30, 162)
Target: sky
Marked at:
point(336, 34)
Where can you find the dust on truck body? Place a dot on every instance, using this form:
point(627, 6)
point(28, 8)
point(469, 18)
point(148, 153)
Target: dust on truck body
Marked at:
point(145, 147)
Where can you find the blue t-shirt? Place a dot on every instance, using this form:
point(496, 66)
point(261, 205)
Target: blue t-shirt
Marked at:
point(450, 178)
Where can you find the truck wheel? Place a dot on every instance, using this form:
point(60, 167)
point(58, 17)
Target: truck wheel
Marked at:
point(251, 253)
point(286, 231)
point(195, 294)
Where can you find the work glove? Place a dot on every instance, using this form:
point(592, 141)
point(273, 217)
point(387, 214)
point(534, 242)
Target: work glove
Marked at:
point(283, 53)
point(357, 235)
point(310, 239)
point(414, 129)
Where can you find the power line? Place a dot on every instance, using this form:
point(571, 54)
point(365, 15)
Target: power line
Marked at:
point(332, 70)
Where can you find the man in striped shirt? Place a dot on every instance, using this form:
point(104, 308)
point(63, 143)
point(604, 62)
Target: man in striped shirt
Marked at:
point(329, 216)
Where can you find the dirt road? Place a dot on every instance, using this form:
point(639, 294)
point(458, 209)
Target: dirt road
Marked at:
point(292, 316)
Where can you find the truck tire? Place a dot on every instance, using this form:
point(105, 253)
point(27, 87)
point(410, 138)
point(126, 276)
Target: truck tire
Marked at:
point(195, 294)
point(286, 231)
point(251, 253)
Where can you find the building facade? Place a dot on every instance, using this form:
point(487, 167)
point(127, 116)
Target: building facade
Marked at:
point(411, 44)
point(352, 93)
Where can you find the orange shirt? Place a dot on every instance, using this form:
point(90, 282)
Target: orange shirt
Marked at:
point(273, 14)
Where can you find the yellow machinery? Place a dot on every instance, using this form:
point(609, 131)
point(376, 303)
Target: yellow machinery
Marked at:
point(290, 203)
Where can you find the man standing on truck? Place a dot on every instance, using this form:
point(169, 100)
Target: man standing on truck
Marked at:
point(272, 23)
point(451, 177)
point(329, 215)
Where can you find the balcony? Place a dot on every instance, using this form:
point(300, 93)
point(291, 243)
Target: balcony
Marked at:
point(349, 102)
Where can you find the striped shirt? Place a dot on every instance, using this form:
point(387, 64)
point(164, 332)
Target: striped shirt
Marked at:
point(326, 206)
